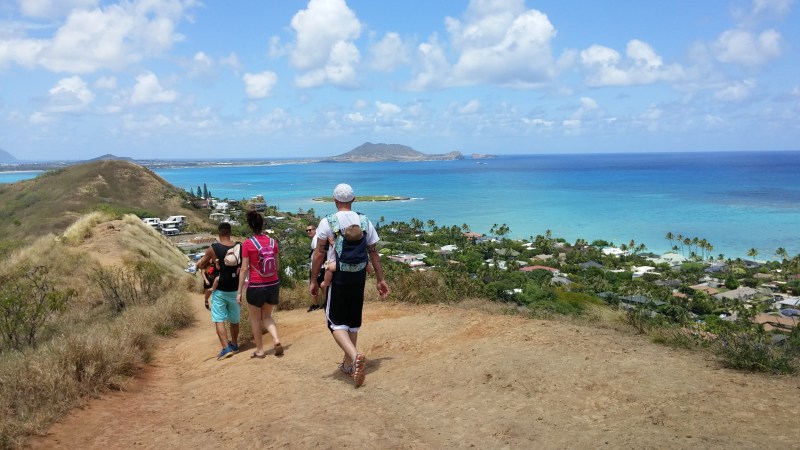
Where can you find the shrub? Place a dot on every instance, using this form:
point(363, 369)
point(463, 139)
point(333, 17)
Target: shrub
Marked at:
point(27, 301)
point(643, 319)
point(752, 350)
point(121, 287)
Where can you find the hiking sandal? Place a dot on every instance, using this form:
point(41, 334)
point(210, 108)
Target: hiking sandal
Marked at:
point(358, 369)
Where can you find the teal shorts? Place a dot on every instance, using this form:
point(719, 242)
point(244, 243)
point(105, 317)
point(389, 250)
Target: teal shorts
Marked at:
point(224, 307)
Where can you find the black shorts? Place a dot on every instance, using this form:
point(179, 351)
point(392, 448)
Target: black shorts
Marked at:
point(345, 304)
point(259, 296)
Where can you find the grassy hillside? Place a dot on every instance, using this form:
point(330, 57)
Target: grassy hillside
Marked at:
point(54, 200)
point(82, 313)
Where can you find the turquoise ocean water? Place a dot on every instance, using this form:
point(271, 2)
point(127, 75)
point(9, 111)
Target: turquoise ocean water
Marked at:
point(734, 200)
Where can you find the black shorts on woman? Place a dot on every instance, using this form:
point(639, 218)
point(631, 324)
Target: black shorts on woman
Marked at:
point(261, 295)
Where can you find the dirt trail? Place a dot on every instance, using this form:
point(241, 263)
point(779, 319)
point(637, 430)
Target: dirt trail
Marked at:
point(438, 377)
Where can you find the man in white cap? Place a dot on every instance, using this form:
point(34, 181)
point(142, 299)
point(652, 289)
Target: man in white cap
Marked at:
point(346, 293)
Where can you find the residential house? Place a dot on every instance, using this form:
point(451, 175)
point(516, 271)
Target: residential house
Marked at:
point(472, 236)
point(639, 300)
point(740, 293)
point(555, 271)
point(411, 260)
point(787, 303)
point(638, 271)
point(776, 322)
point(671, 258)
point(705, 288)
point(219, 217)
point(506, 252)
point(716, 267)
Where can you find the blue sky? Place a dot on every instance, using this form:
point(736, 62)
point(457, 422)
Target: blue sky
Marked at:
point(272, 79)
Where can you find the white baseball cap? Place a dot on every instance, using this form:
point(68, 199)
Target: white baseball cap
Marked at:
point(343, 193)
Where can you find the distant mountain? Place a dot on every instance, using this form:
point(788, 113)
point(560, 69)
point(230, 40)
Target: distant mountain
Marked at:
point(369, 152)
point(6, 157)
point(110, 157)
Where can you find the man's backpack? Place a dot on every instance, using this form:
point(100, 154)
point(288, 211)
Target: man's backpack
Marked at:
point(351, 254)
point(266, 265)
point(228, 274)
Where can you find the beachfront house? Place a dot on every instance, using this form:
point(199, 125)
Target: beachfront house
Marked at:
point(671, 258)
point(613, 251)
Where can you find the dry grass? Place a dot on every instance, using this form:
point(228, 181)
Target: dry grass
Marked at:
point(144, 242)
point(39, 386)
point(82, 228)
point(87, 349)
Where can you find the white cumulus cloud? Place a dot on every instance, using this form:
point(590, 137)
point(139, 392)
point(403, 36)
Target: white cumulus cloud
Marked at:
point(387, 109)
point(259, 85)
point(502, 43)
point(324, 46)
point(641, 65)
point(747, 48)
point(69, 95)
point(736, 91)
point(97, 37)
point(389, 53)
point(149, 90)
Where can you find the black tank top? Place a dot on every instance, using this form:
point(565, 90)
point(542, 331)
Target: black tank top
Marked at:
point(228, 275)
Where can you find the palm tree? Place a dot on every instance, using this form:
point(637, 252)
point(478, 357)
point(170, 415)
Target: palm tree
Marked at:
point(670, 237)
point(432, 224)
point(781, 254)
point(752, 253)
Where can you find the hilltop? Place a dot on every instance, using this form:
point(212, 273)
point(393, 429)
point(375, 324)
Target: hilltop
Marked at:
point(369, 152)
point(53, 200)
point(109, 156)
point(437, 377)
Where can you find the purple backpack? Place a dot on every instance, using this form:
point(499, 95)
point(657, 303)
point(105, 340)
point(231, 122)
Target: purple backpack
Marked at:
point(265, 266)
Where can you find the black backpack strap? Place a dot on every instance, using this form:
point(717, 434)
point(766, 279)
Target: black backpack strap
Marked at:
point(215, 248)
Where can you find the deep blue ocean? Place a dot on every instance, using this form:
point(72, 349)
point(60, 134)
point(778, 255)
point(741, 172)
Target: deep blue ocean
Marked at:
point(734, 200)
